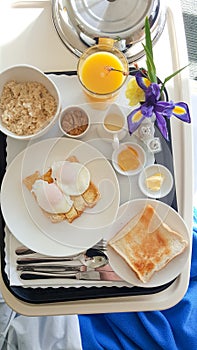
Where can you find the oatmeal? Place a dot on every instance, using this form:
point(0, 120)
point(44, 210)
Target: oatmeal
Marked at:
point(26, 107)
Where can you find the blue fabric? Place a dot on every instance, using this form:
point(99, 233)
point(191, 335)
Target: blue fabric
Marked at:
point(171, 329)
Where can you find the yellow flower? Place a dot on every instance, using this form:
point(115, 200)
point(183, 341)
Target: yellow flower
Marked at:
point(134, 93)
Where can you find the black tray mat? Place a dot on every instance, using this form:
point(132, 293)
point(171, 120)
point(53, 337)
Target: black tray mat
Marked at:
point(61, 294)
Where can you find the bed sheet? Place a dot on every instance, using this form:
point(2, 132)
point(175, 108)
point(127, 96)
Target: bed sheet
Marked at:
point(173, 329)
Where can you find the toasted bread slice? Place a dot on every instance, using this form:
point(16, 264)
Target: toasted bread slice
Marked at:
point(91, 195)
point(55, 218)
point(72, 159)
point(79, 203)
point(29, 180)
point(72, 214)
point(47, 176)
point(144, 249)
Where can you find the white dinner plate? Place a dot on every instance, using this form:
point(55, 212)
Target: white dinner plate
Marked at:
point(23, 216)
point(172, 219)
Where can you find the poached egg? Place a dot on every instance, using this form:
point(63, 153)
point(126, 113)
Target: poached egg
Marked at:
point(50, 197)
point(72, 178)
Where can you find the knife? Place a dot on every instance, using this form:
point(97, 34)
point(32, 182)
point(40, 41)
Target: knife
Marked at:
point(91, 275)
point(26, 261)
point(49, 268)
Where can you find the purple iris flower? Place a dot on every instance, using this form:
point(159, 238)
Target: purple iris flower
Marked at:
point(153, 106)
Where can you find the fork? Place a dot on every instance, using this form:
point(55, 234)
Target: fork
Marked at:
point(22, 250)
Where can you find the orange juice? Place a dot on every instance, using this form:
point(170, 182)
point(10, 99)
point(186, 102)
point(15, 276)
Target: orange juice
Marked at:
point(96, 78)
point(99, 83)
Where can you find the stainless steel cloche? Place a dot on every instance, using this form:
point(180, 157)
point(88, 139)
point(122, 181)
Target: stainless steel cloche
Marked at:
point(79, 23)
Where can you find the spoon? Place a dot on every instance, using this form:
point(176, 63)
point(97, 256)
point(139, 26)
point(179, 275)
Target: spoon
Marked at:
point(93, 258)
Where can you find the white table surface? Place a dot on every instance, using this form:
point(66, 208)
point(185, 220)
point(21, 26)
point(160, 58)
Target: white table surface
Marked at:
point(27, 35)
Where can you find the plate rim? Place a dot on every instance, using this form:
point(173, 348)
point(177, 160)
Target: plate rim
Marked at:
point(43, 248)
point(135, 281)
point(157, 194)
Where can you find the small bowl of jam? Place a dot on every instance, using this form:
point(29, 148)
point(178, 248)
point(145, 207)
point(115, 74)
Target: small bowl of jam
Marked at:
point(74, 122)
point(129, 159)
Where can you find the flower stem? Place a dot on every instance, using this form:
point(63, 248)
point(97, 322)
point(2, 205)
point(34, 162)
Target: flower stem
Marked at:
point(109, 69)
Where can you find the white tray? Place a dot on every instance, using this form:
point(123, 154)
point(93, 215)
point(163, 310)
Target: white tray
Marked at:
point(170, 53)
point(129, 188)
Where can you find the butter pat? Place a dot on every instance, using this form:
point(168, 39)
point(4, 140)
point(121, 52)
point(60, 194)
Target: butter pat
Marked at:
point(155, 182)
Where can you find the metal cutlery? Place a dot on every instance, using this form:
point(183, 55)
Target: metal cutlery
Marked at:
point(21, 251)
point(50, 268)
point(92, 258)
point(32, 265)
point(27, 261)
point(47, 259)
point(24, 251)
point(90, 275)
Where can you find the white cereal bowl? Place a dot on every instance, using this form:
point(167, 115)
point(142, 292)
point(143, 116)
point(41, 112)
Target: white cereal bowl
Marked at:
point(28, 73)
point(141, 156)
point(166, 185)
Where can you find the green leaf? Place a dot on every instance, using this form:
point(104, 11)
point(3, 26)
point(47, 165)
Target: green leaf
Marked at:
point(150, 66)
point(171, 76)
point(151, 69)
point(175, 73)
point(148, 40)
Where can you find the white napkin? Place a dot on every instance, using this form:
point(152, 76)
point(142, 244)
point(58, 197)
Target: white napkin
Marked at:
point(11, 243)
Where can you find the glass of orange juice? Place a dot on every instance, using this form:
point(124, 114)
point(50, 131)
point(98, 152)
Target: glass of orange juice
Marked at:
point(98, 80)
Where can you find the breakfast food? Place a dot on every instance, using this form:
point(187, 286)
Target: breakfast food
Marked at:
point(154, 182)
point(26, 107)
point(147, 244)
point(128, 159)
point(64, 191)
point(74, 121)
point(50, 197)
point(72, 178)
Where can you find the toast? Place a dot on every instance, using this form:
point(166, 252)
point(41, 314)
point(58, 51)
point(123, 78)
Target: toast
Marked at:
point(87, 199)
point(146, 244)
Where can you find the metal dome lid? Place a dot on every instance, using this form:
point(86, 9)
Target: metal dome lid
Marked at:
point(79, 23)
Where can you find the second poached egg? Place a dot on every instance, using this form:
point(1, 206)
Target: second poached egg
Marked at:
point(71, 177)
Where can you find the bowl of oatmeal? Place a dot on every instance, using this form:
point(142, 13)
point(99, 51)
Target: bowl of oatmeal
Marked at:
point(29, 102)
